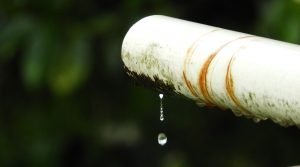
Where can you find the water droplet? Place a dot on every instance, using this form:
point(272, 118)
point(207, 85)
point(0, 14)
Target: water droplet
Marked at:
point(264, 118)
point(162, 139)
point(284, 124)
point(161, 117)
point(161, 96)
point(237, 113)
point(256, 120)
point(200, 104)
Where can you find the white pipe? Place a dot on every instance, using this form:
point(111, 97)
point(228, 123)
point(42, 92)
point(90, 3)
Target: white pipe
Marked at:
point(253, 76)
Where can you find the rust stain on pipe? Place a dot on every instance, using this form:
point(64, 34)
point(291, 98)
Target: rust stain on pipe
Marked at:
point(230, 85)
point(188, 84)
point(203, 72)
point(202, 79)
point(187, 59)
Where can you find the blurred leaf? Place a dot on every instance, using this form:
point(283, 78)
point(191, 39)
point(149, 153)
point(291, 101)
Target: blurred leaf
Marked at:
point(6, 152)
point(35, 57)
point(71, 67)
point(175, 159)
point(281, 20)
point(291, 32)
point(102, 24)
point(12, 33)
point(112, 60)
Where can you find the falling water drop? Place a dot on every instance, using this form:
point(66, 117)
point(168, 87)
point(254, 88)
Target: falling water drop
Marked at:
point(162, 139)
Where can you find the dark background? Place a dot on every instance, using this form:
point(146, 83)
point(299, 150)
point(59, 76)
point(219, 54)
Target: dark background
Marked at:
point(65, 99)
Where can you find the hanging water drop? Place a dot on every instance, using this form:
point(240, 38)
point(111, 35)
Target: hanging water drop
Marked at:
point(237, 113)
point(256, 120)
point(162, 139)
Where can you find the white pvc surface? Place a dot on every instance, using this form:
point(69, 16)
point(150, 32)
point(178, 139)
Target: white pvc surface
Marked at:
point(254, 76)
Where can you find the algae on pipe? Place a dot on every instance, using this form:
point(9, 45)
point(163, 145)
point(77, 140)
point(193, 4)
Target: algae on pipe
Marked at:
point(253, 76)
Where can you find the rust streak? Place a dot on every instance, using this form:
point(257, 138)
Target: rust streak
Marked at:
point(204, 71)
point(230, 85)
point(187, 59)
point(202, 79)
point(188, 84)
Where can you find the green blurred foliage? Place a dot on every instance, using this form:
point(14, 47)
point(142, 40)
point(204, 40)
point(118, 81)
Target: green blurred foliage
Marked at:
point(65, 99)
point(55, 47)
point(55, 38)
point(281, 20)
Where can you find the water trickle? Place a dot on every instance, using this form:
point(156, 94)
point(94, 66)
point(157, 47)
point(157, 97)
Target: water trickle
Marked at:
point(162, 139)
point(161, 96)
